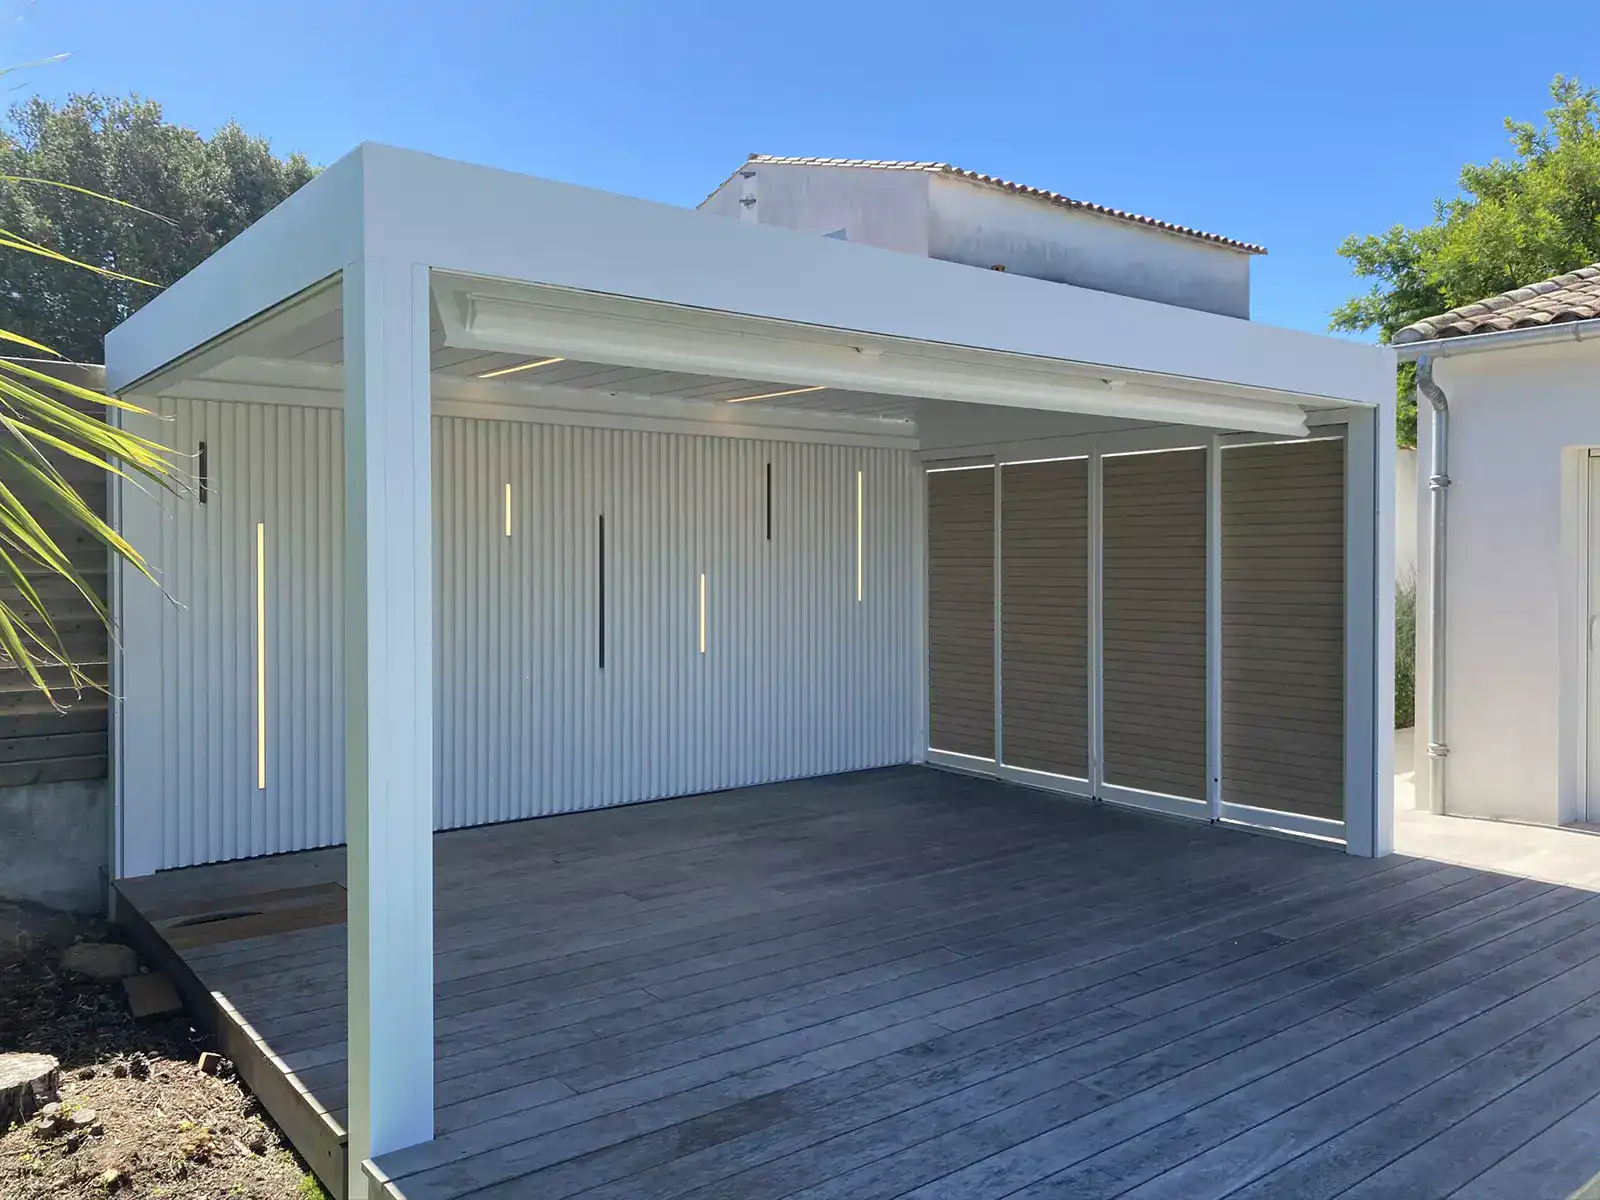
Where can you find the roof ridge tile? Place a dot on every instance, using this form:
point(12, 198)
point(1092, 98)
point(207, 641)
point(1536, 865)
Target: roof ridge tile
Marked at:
point(1571, 296)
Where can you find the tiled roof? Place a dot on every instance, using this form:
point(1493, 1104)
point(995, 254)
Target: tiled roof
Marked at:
point(1017, 188)
point(1574, 296)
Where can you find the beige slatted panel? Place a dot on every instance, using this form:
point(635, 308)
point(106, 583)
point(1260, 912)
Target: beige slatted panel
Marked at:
point(1044, 615)
point(961, 611)
point(1283, 542)
point(38, 744)
point(1154, 621)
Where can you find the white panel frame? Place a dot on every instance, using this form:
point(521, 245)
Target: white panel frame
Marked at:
point(1278, 821)
point(1369, 792)
point(968, 764)
point(1214, 629)
point(1368, 828)
point(971, 764)
point(1097, 632)
point(1161, 802)
point(1050, 781)
point(997, 568)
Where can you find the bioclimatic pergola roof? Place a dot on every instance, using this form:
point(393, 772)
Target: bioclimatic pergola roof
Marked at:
point(525, 269)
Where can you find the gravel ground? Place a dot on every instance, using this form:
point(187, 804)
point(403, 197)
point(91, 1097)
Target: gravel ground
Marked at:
point(138, 1116)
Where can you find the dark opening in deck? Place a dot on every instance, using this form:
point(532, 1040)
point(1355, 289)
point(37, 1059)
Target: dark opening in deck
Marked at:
point(907, 982)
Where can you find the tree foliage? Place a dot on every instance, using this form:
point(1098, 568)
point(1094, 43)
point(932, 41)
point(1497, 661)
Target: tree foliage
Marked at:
point(100, 200)
point(206, 190)
point(1514, 222)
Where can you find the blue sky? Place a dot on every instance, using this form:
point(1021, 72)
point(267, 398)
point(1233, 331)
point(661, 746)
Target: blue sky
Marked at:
point(1287, 124)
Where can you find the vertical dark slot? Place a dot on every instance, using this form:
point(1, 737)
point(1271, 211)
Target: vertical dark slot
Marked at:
point(601, 576)
point(204, 471)
point(769, 502)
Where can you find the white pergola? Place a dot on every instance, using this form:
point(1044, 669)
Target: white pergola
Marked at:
point(432, 255)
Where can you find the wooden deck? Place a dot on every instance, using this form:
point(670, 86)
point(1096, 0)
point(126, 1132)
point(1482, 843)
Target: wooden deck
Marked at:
point(909, 983)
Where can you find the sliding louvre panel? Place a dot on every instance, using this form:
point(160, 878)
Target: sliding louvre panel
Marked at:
point(1283, 537)
point(1154, 621)
point(961, 611)
point(1044, 640)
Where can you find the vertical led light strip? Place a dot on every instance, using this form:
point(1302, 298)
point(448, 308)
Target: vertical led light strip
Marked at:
point(859, 541)
point(702, 612)
point(508, 510)
point(261, 656)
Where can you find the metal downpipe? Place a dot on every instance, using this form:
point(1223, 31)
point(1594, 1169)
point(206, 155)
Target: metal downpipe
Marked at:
point(1438, 495)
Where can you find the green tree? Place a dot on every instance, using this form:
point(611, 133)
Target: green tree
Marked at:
point(1514, 222)
point(100, 202)
point(206, 191)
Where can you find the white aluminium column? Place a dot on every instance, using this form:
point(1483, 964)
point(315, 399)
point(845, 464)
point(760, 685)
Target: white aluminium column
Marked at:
point(1369, 629)
point(388, 647)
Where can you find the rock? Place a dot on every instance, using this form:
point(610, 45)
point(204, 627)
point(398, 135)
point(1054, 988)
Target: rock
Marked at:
point(100, 960)
point(28, 1082)
point(85, 1118)
point(151, 995)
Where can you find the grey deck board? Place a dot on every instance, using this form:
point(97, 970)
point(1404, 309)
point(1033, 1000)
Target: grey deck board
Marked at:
point(910, 983)
point(1336, 1164)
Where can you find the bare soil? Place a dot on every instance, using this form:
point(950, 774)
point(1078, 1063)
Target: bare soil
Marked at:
point(161, 1127)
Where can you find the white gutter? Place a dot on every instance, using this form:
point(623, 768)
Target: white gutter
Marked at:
point(1438, 492)
point(1472, 343)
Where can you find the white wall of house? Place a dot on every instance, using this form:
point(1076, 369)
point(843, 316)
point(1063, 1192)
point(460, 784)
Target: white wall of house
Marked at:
point(873, 207)
point(1521, 418)
point(1405, 515)
point(958, 220)
point(982, 226)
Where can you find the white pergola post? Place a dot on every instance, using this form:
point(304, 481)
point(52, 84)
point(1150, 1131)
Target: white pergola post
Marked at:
point(388, 640)
point(1369, 626)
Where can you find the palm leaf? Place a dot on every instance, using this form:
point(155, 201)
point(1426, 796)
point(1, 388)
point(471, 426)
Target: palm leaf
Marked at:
point(34, 425)
point(83, 191)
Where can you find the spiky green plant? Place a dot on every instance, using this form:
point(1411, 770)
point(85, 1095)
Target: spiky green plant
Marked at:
point(33, 424)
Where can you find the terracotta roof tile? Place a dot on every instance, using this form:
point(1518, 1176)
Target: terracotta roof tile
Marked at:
point(1020, 189)
point(1574, 296)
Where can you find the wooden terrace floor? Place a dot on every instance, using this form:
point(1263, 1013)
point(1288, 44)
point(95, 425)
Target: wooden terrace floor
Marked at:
point(910, 983)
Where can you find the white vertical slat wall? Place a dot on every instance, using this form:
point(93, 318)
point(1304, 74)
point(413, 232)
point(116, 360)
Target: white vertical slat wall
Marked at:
point(279, 466)
point(798, 677)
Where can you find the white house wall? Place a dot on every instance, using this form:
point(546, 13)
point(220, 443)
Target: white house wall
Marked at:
point(888, 209)
point(1518, 420)
point(798, 677)
point(981, 226)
